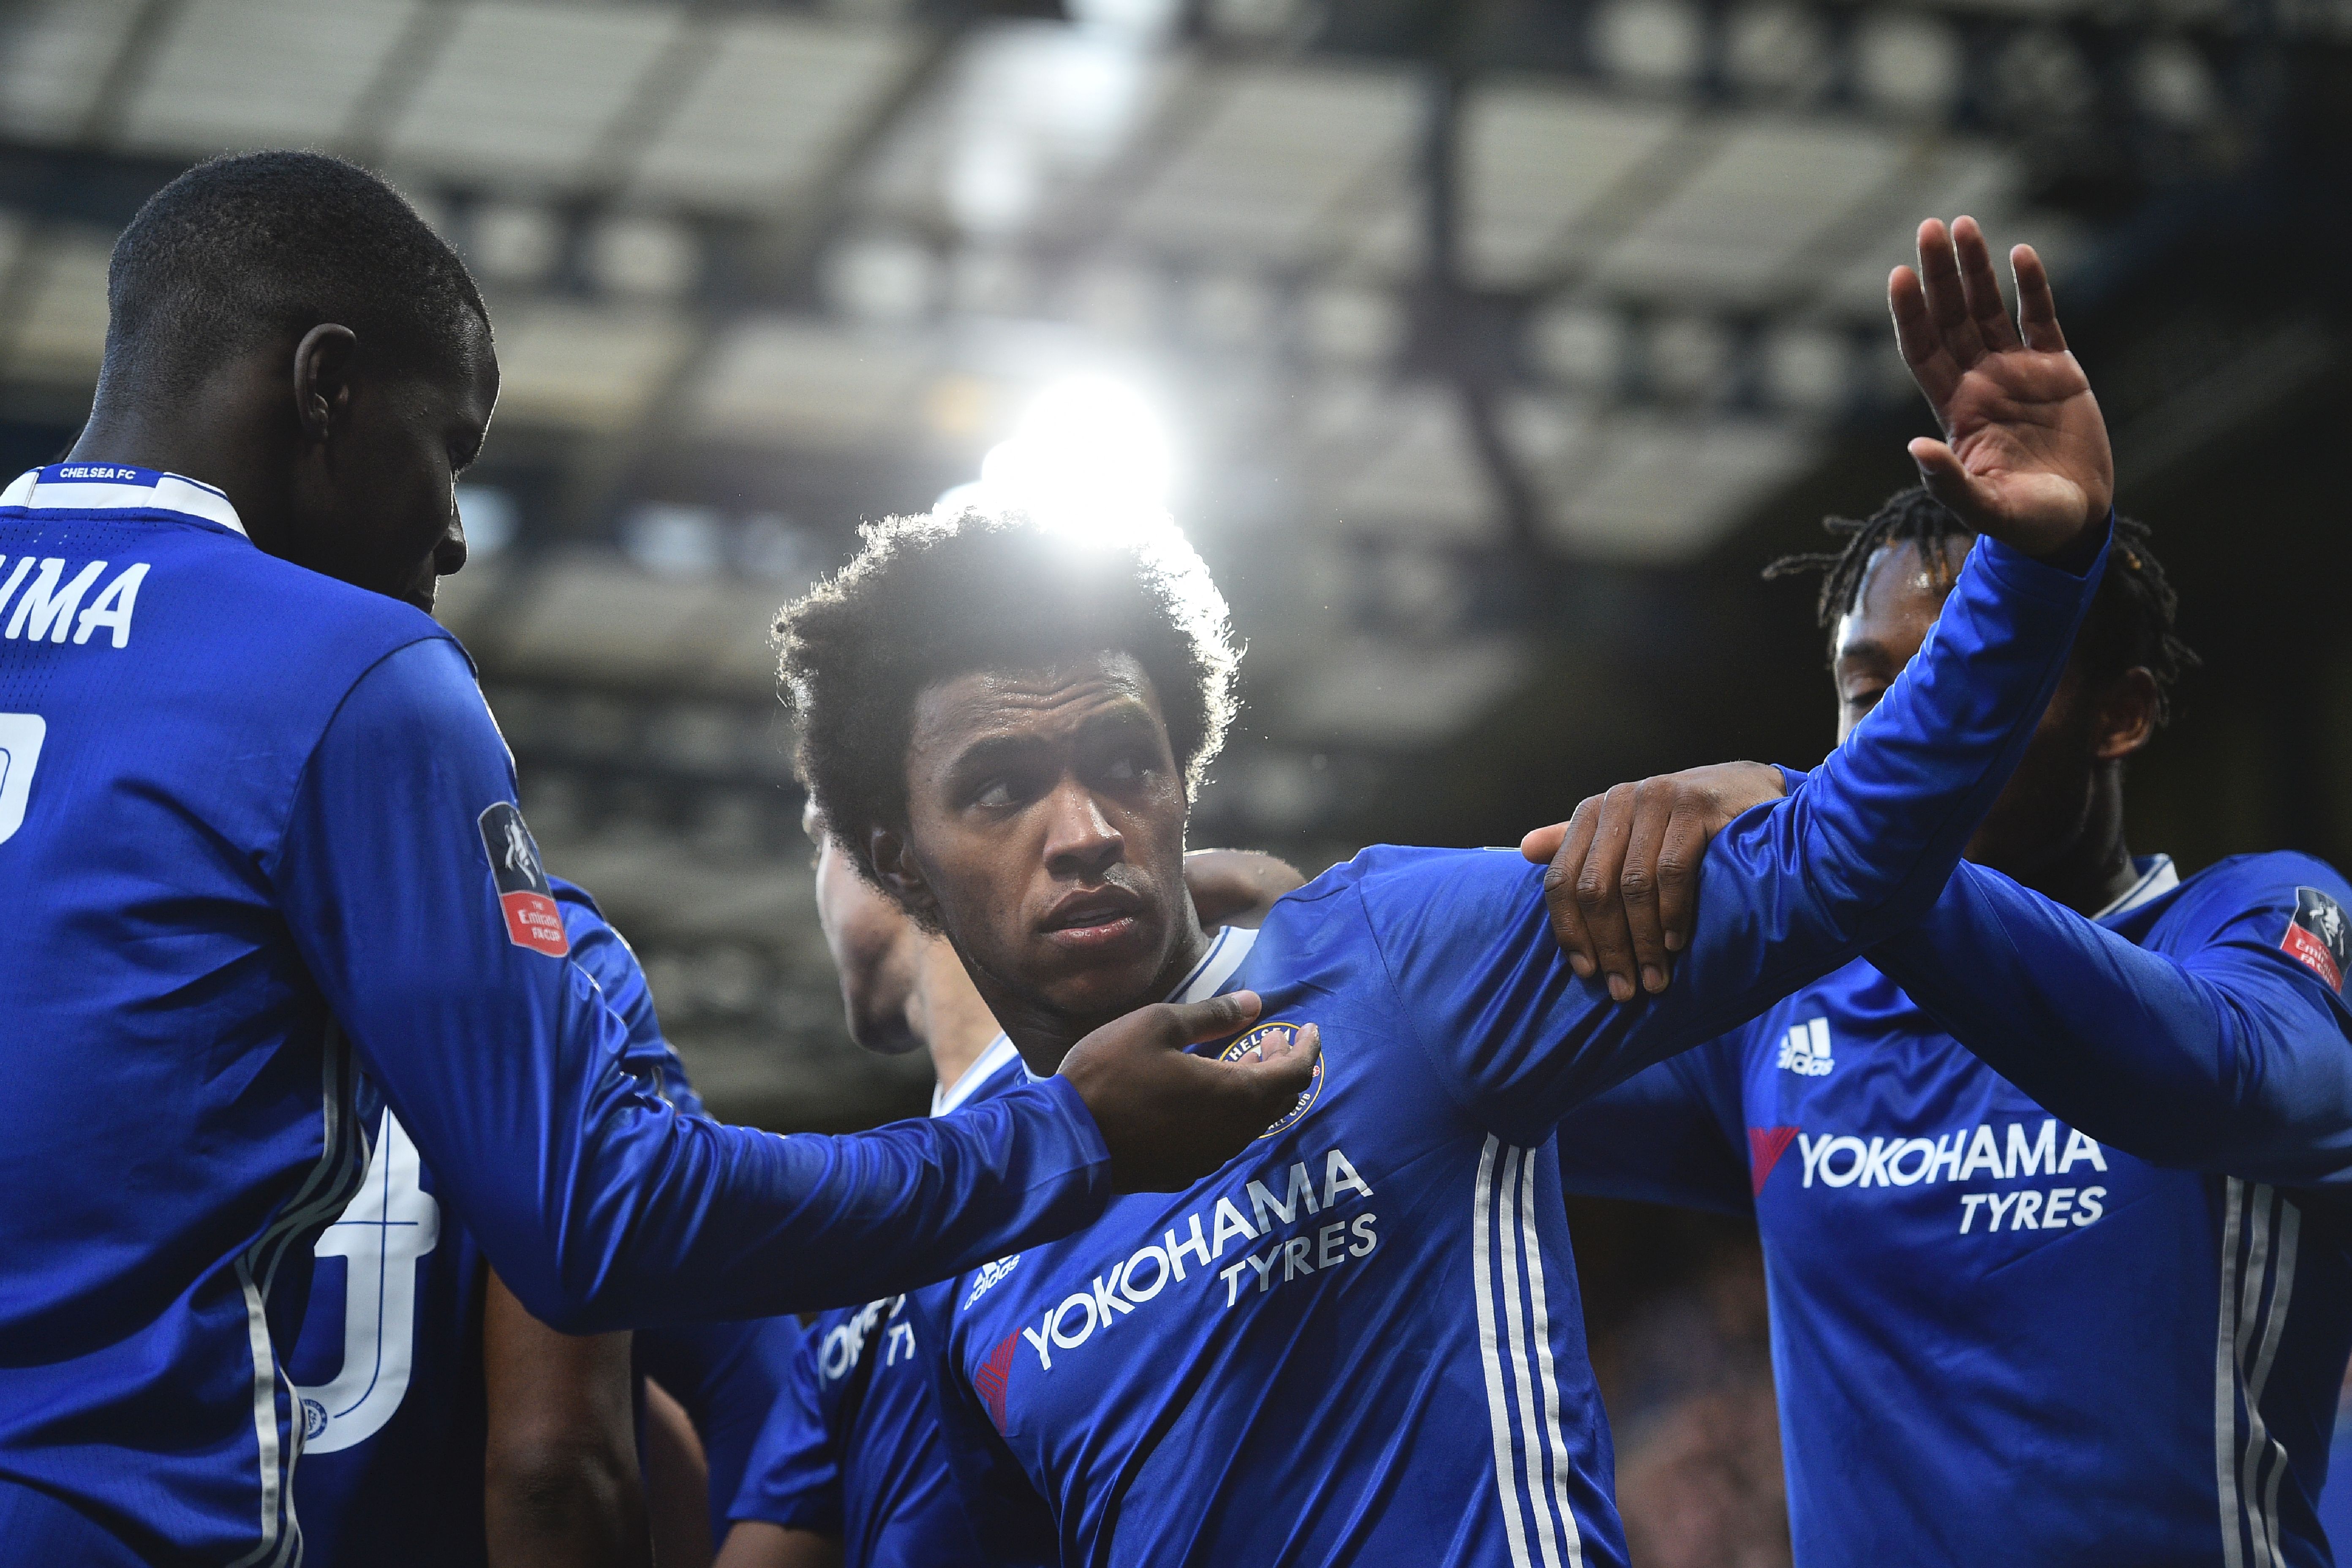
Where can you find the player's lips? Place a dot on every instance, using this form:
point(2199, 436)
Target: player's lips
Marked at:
point(1092, 920)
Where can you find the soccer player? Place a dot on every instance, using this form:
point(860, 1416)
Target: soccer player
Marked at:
point(2049, 1185)
point(850, 1464)
point(1359, 1340)
point(261, 835)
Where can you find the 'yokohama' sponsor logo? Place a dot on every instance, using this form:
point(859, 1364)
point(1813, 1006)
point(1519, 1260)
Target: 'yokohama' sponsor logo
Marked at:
point(1191, 1250)
point(1843, 1160)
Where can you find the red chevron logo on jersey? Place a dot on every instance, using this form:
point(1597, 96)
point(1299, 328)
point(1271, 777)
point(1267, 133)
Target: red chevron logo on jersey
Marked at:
point(994, 1377)
point(1765, 1147)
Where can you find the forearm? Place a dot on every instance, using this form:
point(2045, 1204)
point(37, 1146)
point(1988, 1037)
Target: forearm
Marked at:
point(2222, 1062)
point(561, 1485)
point(650, 1216)
point(1788, 892)
point(1863, 843)
point(1878, 826)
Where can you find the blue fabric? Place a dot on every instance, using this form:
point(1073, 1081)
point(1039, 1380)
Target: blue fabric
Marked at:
point(1361, 1340)
point(2007, 1320)
point(730, 1377)
point(852, 1448)
point(390, 1377)
point(2336, 1498)
point(260, 802)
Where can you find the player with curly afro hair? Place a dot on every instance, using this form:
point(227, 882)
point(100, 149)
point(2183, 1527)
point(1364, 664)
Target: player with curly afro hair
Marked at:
point(913, 608)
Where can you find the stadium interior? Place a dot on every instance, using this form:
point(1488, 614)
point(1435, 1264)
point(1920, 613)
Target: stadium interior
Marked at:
point(1486, 349)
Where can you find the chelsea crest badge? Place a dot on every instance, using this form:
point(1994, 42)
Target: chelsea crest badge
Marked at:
point(1253, 1045)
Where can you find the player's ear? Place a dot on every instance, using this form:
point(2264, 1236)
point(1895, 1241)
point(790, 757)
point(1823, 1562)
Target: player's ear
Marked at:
point(322, 378)
point(2127, 717)
point(902, 878)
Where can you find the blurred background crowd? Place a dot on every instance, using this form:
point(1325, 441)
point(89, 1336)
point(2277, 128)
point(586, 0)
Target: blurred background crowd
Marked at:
point(1487, 350)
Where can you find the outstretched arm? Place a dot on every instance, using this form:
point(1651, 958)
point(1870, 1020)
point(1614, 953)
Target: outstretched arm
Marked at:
point(2024, 459)
point(602, 1205)
point(2228, 1054)
point(1794, 888)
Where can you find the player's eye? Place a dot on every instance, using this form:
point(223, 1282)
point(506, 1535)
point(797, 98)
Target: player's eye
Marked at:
point(1862, 699)
point(995, 793)
point(1123, 769)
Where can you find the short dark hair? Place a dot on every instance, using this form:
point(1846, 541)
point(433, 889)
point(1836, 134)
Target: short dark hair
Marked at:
point(930, 598)
point(242, 249)
point(2130, 623)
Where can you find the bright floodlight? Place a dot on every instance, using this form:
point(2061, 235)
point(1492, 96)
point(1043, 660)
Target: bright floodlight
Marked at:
point(1088, 455)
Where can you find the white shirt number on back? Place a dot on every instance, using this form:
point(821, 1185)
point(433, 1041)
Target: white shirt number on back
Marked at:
point(390, 1225)
point(20, 752)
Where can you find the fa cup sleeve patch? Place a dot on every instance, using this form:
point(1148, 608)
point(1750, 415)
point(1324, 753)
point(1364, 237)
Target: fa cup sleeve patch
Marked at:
point(2319, 937)
point(529, 902)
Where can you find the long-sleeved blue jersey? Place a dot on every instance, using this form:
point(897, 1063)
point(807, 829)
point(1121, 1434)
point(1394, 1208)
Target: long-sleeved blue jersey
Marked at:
point(852, 1448)
point(1996, 1335)
point(1361, 1340)
point(388, 1364)
point(259, 833)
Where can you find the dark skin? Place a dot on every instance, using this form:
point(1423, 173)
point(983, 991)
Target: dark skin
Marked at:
point(561, 1486)
point(2059, 826)
point(342, 462)
point(333, 460)
point(1044, 835)
point(2024, 459)
point(1052, 793)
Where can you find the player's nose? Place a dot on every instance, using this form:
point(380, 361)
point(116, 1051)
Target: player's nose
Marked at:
point(449, 555)
point(1079, 836)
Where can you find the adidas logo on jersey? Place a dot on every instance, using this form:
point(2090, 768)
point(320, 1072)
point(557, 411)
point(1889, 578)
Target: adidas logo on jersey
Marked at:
point(1806, 1049)
point(989, 1273)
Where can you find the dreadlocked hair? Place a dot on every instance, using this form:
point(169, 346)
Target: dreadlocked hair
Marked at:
point(2130, 623)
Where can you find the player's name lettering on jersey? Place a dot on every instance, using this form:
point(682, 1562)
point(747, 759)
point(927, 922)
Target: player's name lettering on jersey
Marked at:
point(844, 1346)
point(2059, 1209)
point(48, 604)
point(1138, 1280)
point(1843, 1160)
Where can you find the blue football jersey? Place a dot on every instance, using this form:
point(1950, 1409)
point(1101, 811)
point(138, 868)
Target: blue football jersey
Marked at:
point(260, 834)
point(1998, 1336)
point(852, 1448)
point(388, 1364)
point(1361, 1340)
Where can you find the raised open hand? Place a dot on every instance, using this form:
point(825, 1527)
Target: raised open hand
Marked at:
point(2025, 456)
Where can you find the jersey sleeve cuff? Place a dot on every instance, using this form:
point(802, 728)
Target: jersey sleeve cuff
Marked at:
point(2060, 579)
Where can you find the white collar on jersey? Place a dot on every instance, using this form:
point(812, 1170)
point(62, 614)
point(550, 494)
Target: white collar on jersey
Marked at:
point(985, 1066)
point(2158, 878)
point(1225, 953)
point(115, 487)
